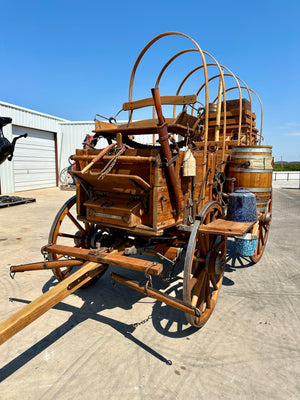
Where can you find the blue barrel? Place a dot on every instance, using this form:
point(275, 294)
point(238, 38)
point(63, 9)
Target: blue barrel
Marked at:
point(242, 206)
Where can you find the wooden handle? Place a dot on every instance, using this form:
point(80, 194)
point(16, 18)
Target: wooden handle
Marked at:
point(163, 134)
point(157, 103)
point(98, 157)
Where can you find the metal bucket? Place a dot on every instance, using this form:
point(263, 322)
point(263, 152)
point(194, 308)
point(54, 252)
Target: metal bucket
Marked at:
point(246, 244)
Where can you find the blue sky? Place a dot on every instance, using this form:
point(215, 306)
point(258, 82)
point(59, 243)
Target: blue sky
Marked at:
point(73, 59)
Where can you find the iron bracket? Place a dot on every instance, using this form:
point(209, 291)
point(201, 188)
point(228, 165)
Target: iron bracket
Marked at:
point(168, 163)
point(90, 273)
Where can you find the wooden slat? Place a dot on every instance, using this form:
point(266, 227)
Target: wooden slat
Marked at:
point(39, 306)
point(225, 227)
point(176, 100)
point(107, 258)
point(113, 179)
point(121, 159)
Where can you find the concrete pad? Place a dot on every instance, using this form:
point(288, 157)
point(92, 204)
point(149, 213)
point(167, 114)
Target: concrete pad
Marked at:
point(109, 342)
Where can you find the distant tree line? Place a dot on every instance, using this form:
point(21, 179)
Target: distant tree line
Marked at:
point(285, 166)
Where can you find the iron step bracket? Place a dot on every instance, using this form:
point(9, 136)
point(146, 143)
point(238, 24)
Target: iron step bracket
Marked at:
point(90, 274)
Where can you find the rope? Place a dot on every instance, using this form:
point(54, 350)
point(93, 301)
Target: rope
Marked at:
point(110, 165)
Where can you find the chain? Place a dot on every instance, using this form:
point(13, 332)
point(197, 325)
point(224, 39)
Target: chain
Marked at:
point(135, 325)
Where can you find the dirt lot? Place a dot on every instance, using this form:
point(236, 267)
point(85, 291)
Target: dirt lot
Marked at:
point(109, 342)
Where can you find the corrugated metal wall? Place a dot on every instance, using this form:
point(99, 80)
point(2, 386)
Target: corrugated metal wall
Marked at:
point(71, 136)
point(27, 118)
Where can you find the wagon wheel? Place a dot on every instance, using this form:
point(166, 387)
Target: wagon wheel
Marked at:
point(261, 229)
point(65, 178)
point(204, 266)
point(67, 230)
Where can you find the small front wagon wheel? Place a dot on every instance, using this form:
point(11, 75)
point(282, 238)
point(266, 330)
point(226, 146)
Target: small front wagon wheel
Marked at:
point(67, 230)
point(261, 229)
point(204, 266)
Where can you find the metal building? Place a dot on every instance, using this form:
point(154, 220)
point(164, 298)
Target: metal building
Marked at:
point(39, 158)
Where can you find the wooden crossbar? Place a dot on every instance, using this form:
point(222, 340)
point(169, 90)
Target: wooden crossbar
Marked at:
point(107, 258)
point(171, 100)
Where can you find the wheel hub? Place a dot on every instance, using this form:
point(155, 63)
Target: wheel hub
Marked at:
point(214, 263)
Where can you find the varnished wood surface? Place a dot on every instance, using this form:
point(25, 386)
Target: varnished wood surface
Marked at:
point(107, 258)
point(176, 100)
point(39, 306)
point(227, 228)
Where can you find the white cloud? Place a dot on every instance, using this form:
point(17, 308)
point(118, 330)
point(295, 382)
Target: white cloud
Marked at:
point(290, 125)
point(292, 134)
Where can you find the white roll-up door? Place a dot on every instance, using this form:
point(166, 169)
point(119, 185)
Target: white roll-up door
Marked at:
point(34, 159)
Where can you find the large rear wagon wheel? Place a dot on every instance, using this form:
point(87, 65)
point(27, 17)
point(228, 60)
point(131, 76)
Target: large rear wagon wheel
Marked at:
point(204, 266)
point(261, 229)
point(67, 230)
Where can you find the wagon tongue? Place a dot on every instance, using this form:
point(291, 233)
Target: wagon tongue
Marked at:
point(39, 306)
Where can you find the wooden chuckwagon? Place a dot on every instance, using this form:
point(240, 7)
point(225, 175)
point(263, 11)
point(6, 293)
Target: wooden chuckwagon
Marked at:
point(168, 199)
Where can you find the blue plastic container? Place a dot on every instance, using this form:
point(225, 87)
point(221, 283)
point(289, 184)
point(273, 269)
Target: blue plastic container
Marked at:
point(246, 244)
point(242, 206)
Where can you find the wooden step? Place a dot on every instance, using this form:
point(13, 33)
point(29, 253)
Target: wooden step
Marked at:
point(106, 258)
point(227, 228)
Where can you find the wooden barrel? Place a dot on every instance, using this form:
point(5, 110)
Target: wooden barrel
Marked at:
point(252, 167)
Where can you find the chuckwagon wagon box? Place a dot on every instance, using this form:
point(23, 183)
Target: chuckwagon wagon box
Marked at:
point(205, 179)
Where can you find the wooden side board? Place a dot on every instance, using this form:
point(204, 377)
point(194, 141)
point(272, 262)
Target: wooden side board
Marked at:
point(153, 183)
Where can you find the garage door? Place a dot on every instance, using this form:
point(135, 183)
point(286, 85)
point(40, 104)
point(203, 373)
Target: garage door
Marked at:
point(34, 159)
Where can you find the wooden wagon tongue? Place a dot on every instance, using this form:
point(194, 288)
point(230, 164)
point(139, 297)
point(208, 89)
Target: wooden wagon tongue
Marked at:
point(96, 262)
point(39, 306)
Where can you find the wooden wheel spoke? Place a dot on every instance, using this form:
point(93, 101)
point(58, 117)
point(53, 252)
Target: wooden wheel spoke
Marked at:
point(67, 272)
point(198, 259)
point(207, 219)
point(213, 281)
point(59, 273)
point(262, 231)
point(67, 210)
point(266, 227)
point(197, 287)
point(258, 245)
point(201, 289)
point(76, 223)
point(202, 244)
point(207, 294)
point(201, 298)
point(196, 279)
point(215, 214)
